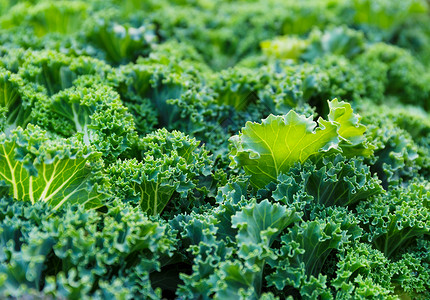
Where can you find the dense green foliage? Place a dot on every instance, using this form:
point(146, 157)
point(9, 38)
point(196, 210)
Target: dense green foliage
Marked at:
point(196, 149)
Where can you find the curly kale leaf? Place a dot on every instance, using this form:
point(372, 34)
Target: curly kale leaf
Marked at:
point(165, 162)
point(360, 263)
point(158, 83)
point(395, 220)
point(16, 102)
point(385, 14)
point(54, 71)
point(302, 256)
point(119, 43)
point(258, 226)
point(340, 41)
point(412, 271)
point(401, 137)
point(48, 17)
point(233, 268)
point(95, 114)
point(74, 252)
point(402, 75)
point(332, 181)
point(236, 87)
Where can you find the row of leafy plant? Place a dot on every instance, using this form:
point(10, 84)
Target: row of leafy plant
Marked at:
point(215, 149)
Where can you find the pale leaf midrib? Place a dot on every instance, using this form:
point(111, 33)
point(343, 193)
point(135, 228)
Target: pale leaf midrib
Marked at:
point(13, 179)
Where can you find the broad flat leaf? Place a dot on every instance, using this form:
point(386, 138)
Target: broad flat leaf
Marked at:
point(267, 149)
point(58, 181)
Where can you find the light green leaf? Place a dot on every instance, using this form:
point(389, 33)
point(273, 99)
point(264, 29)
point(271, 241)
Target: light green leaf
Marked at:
point(351, 131)
point(268, 149)
point(265, 150)
point(56, 180)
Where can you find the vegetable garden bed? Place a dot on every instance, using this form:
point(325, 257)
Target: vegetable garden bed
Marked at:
point(196, 149)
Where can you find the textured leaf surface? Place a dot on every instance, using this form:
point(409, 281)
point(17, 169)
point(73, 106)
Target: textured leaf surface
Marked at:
point(262, 222)
point(167, 162)
point(397, 218)
point(351, 131)
point(268, 149)
point(15, 101)
point(55, 180)
point(333, 180)
point(265, 150)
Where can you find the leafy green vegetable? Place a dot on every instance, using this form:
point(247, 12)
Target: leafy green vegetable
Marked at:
point(334, 180)
point(185, 149)
point(411, 271)
point(256, 234)
point(37, 169)
point(54, 71)
point(258, 225)
point(119, 42)
point(359, 263)
point(396, 219)
point(303, 253)
point(167, 162)
point(268, 149)
point(16, 102)
point(94, 114)
point(82, 248)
